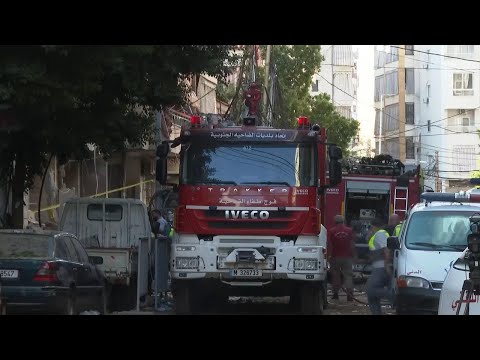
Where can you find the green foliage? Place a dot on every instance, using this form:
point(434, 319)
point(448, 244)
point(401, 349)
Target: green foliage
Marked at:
point(67, 96)
point(340, 130)
point(296, 65)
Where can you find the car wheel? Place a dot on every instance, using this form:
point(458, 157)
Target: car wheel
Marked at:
point(70, 306)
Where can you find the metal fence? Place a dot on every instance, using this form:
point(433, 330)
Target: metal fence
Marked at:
point(153, 258)
point(143, 264)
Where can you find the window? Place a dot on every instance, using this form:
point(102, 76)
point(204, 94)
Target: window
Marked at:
point(410, 81)
point(391, 55)
point(410, 113)
point(391, 117)
point(460, 49)
point(71, 249)
point(250, 163)
point(462, 123)
point(464, 158)
point(82, 255)
point(463, 84)
point(408, 49)
point(315, 86)
point(429, 125)
point(410, 147)
point(391, 85)
point(61, 250)
point(428, 90)
point(112, 212)
point(438, 230)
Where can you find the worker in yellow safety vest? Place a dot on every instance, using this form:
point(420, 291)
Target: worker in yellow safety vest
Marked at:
point(378, 283)
point(398, 228)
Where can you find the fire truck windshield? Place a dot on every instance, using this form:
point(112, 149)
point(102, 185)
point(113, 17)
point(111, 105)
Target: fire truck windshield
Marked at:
point(286, 164)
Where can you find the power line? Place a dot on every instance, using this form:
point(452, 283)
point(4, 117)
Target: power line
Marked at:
point(392, 117)
point(446, 67)
point(426, 125)
point(442, 55)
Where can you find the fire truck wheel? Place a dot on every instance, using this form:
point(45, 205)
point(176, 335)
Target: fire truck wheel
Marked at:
point(312, 300)
point(183, 299)
point(294, 301)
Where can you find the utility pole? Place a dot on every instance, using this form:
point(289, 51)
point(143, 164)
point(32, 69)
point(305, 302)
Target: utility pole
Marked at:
point(438, 185)
point(333, 78)
point(382, 99)
point(254, 57)
point(267, 74)
point(401, 103)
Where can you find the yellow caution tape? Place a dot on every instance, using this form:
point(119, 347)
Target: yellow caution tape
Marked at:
point(53, 207)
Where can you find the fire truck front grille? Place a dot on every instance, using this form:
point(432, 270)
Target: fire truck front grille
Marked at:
point(273, 214)
point(247, 225)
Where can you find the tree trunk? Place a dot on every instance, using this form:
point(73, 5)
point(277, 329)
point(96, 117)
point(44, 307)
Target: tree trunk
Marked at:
point(18, 192)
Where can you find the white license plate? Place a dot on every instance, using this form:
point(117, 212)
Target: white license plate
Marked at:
point(9, 274)
point(246, 273)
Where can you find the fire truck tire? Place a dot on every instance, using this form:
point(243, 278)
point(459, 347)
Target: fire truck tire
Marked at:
point(325, 302)
point(312, 300)
point(182, 296)
point(294, 301)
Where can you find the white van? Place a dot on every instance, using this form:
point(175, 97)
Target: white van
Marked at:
point(433, 236)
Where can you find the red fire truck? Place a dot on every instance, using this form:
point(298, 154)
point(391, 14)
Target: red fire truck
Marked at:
point(248, 219)
point(371, 187)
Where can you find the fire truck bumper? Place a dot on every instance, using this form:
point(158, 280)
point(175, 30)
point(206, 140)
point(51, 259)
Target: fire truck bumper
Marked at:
point(260, 259)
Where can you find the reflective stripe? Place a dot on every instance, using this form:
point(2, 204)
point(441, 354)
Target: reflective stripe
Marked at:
point(371, 242)
point(398, 228)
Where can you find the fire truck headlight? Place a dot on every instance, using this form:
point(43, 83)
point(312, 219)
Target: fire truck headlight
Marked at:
point(307, 249)
point(187, 262)
point(221, 262)
point(305, 264)
point(185, 248)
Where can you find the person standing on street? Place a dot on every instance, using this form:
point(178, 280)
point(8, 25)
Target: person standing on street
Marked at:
point(341, 250)
point(378, 283)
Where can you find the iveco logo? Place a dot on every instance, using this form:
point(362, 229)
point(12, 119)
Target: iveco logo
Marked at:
point(245, 214)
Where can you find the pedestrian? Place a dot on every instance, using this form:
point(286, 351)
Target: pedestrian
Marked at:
point(162, 227)
point(160, 223)
point(341, 250)
point(378, 283)
point(394, 226)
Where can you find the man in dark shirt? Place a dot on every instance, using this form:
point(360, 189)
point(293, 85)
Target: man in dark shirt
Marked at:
point(341, 250)
point(393, 221)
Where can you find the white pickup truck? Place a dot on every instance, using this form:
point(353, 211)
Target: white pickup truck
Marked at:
point(110, 230)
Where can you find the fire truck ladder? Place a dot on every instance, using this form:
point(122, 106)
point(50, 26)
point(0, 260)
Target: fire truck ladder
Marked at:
point(401, 199)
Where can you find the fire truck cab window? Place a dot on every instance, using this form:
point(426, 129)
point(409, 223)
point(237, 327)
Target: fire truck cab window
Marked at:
point(256, 164)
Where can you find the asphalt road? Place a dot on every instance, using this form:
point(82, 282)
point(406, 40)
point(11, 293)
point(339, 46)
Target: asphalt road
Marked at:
point(279, 306)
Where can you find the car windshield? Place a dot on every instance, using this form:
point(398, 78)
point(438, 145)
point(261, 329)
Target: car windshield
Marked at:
point(14, 246)
point(438, 230)
point(255, 164)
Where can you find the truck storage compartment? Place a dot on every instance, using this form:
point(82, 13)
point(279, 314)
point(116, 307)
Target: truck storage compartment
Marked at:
point(364, 201)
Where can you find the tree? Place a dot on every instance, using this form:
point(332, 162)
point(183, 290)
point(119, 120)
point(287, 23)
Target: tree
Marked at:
point(65, 97)
point(340, 130)
point(295, 67)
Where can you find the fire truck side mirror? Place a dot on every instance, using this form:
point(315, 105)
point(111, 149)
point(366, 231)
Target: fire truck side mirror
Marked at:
point(335, 172)
point(334, 167)
point(161, 165)
point(334, 152)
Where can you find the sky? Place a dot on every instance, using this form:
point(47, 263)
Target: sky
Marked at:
point(365, 103)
